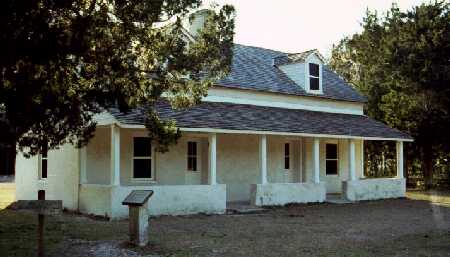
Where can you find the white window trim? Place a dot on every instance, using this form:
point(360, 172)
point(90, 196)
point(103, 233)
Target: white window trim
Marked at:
point(290, 157)
point(307, 76)
point(198, 156)
point(152, 158)
point(337, 159)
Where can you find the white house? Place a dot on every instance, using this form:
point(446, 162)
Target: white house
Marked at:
point(280, 128)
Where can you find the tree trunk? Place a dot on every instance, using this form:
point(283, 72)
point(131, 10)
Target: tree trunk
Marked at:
point(427, 166)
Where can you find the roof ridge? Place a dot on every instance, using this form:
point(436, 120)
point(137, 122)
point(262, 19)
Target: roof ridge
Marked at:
point(259, 47)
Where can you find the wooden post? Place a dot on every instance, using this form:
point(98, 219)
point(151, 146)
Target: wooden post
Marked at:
point(40, 245)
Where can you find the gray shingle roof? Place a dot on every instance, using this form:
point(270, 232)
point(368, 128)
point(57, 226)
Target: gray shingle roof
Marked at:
point(259, 118)
point(293, 58)
point(253, 69)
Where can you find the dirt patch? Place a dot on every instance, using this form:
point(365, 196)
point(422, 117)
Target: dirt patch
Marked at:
point(380, 228)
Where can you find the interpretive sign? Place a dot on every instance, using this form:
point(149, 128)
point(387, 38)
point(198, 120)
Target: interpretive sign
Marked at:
point(138, 212)
point(138, 197)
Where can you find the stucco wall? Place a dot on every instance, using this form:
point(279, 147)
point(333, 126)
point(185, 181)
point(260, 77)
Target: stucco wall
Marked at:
point(220, 94)
point(26, 177)
point(98, 152)
point(62, 177)
point(333, 182)
point(237, 166)
point(174, 200)
point(284, 193)
point(169, 168)
point(373, 189)
point(238, 163)
point(95, 199)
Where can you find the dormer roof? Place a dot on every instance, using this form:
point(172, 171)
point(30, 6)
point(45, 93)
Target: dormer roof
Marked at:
point(285, 59)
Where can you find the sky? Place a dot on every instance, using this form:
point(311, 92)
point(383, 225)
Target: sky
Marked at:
point(299, 25)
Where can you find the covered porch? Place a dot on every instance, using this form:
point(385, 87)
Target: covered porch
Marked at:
point(261, 168)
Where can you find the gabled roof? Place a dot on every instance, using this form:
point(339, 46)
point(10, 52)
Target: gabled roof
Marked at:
point(253, 69)
point(297, 57)
point(245, 118)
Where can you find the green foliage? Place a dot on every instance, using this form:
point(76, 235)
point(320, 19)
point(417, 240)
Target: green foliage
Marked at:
point(401, 62)
point(62, 62)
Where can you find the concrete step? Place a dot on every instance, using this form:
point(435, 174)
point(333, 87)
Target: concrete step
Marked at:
point(336, 199)
point(243, 208)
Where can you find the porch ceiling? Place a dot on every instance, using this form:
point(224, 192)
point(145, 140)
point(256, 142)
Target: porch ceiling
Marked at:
point(213, 116)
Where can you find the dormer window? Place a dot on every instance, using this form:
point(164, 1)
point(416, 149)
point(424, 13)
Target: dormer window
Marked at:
point(305, 69)
point(314, 78)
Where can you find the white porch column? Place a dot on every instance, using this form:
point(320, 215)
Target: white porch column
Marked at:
point(83, 158)
point(351, 159)
point(115, 155)
point(316, 160)
point(263, 158)
point(212, 178)
point(399, 159)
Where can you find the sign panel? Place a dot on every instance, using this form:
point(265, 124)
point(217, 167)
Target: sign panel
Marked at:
point(47, 207)
point(137, 197)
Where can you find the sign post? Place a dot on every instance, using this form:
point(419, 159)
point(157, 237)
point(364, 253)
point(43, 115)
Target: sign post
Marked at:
point(42, 207)
point(137, 202)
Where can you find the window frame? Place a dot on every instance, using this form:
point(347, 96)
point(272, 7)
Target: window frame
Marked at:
point(332, 159)
point(151, 158)
point(318, 77)
point(289, 156)
point(196, 156)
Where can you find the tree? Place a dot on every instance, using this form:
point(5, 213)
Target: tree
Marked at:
point(62, 62)
point(401, 62)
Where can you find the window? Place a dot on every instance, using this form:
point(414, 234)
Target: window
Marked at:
point(44, 162)
point(192, 156)
point(314, 83)
point(142, 158)
point(331, 157)
point(287, 159)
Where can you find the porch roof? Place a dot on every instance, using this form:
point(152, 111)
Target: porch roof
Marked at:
point(236, 118)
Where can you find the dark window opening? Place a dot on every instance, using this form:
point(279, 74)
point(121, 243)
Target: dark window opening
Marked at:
point(287, 159)
point(44, 162)
point(314, 83)
point(314, 69)
point(192, 156)
point(314, 76)
point(142, 158)
point(331, 156)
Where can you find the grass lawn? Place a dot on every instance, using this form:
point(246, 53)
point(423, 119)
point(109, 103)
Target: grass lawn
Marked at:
point(436, 197)
point(400, 227)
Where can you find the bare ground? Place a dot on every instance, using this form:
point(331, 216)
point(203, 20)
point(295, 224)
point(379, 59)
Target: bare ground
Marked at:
point(398, 227)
